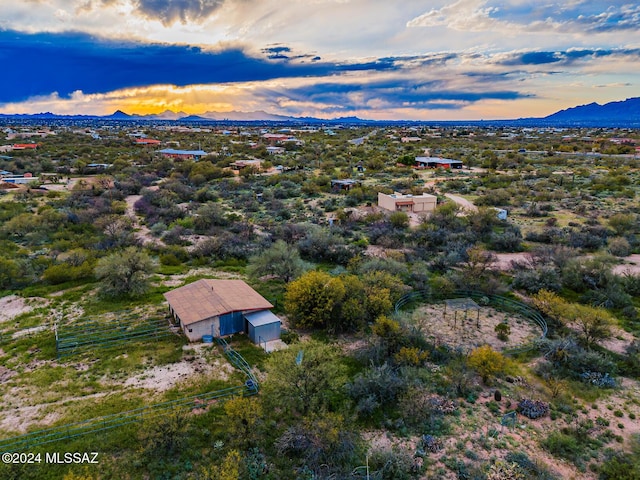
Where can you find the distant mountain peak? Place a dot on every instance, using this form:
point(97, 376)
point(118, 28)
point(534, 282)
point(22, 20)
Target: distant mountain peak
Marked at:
point(119, 114)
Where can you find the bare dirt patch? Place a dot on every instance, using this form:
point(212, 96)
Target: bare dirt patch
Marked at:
point(631, 266)
point(505, 261)
point(18, 418)
point(13, 306)
point(196, 362)
point(474, 329)
point(619, 341)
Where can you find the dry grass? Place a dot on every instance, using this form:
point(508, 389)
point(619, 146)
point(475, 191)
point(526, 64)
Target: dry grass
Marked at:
point(474, 330)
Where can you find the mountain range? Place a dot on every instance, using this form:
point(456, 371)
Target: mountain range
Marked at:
point(626, 110)
point(625, 113)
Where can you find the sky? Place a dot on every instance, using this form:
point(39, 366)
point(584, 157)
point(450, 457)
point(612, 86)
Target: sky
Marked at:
point(374, 59)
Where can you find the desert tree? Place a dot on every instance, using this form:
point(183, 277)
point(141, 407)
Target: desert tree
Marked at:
point(307, 377)
point(313, 299)
point(280, 260)
point(166, 435)
point(241, 419)
point(593, 323)
point(487, 362)
point(124, 273)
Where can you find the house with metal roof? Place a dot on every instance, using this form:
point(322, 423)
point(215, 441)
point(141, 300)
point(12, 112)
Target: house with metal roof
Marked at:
point(223, 307)
point(343, 184)
point(437, 162)
point(147, 141)
point(183, 154)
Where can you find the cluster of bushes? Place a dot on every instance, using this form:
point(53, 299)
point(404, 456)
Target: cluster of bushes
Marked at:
point(566, 358)
point(341, 303)
point(533, 408)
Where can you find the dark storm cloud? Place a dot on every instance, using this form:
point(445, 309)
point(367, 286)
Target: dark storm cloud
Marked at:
point(277, 49)
point(567, 57)
point(171, 11)
point(393, 93)
point(43, 63)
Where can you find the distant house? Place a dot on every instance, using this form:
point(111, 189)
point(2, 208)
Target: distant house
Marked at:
point(397, 202)
point(223, 307)
point(8, 177)
point(240, 164)
point(147, 141)
point(96, 167)
point(276, 150)
point(25, 146)
point(343, 184)
point(437, 162)
point(278, 138)
point(182, 154)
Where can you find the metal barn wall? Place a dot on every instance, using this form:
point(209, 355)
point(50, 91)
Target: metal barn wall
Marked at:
point(231, 323)
point(264, 333)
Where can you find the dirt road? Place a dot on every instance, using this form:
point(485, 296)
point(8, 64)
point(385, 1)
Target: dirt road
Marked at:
point(463, 202)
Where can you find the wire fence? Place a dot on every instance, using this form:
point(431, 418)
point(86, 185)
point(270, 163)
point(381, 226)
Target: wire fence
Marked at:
point(238, 361)
point(80, 336)
point(108, 422)
point(483, 299)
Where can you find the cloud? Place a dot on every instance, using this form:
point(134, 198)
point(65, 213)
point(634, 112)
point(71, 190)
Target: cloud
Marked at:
point(538, 58)
point(568, 57)
point(516, 17)
point(331, 97)
point(77, 61)
point(466, 15)
point(622, 18)
point(183, 11)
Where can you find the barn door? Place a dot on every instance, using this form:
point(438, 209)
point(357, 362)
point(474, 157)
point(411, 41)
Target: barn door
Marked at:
point(231, 323)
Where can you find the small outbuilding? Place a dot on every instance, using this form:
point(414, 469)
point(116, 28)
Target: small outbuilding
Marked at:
point(222, 307)
point(343, 184)
point(262, 326)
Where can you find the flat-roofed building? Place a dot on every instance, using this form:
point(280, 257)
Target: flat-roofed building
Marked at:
point(397, 202)
point(183, 154)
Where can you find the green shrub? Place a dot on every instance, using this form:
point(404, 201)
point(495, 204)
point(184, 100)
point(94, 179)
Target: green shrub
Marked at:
point(619, 247)
point(532, 469)
point(503, 331)
point(391, 464)
point(563, 446)
point(63, 272)
point(169, 259)
point(620, 467)
point(289, 337)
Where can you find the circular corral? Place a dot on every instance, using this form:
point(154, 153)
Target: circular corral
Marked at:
point(468, 319)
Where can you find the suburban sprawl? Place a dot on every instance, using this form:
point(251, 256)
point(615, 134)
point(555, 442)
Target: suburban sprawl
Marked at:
point(344, 300)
